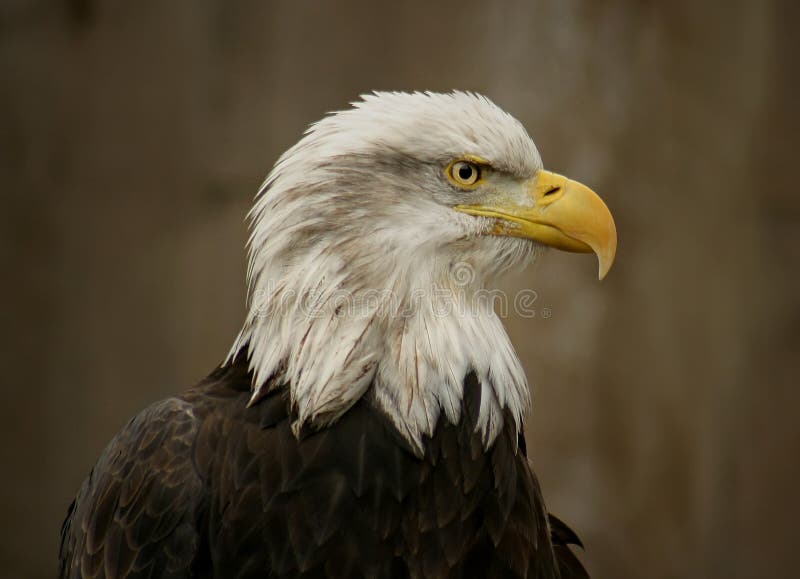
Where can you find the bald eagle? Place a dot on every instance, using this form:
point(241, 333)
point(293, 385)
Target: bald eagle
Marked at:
point(368, 420)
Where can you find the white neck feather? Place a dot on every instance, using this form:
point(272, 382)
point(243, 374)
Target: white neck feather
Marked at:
point(412, 342)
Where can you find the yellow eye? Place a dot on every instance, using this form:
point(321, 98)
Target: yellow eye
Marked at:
point(465, 173)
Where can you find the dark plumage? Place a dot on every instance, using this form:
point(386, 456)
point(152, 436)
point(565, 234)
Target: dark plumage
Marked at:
point(203, 486)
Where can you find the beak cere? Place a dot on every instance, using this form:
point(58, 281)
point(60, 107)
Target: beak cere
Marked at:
point(557, 212)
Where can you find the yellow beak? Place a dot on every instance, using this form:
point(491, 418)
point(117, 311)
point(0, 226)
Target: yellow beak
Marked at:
point(558, 212)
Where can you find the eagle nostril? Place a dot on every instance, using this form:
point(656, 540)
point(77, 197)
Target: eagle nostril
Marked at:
point(552, 191)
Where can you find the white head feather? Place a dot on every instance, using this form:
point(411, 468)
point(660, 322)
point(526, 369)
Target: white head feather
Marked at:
point(363, 280)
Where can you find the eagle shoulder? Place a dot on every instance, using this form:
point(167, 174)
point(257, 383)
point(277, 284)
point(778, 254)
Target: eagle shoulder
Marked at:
point(136, 514)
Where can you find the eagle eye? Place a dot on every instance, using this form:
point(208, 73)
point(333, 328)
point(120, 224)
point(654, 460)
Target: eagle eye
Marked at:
point(464, 173)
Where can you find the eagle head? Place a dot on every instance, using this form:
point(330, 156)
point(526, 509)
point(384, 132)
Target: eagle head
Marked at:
point(373, 242)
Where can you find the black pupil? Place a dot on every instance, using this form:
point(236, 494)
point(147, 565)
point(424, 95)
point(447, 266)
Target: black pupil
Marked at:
point(465, 172)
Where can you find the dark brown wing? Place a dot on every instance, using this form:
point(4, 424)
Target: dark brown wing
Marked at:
point(135, 516)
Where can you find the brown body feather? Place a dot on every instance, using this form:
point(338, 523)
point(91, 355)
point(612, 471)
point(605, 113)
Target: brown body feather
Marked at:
point(204, 486)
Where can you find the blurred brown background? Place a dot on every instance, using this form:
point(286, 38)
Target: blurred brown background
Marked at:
point(133, 136)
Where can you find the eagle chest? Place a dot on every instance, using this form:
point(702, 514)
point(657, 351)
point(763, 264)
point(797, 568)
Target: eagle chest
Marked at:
point(353, 500)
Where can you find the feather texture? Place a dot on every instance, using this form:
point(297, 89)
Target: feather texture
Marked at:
point(205, 486)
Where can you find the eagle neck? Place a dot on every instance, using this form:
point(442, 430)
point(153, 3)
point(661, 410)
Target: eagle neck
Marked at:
point(409, 347)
